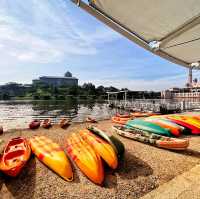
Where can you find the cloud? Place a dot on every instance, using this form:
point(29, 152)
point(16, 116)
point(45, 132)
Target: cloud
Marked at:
point(45, 32)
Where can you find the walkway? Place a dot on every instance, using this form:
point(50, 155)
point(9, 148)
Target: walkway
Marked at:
point(184, 186)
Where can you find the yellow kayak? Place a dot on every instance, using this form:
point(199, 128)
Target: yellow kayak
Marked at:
point(52, 155)
point(88, 161)
point(101, 147)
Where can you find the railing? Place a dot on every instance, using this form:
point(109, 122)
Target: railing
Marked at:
point(154, 105)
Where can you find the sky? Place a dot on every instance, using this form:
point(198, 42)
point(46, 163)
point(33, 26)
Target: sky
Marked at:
point(50, 37)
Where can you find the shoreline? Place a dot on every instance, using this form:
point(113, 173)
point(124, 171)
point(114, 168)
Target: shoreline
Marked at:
point(144, 169)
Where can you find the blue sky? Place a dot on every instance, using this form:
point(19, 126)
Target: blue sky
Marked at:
point(49, 37)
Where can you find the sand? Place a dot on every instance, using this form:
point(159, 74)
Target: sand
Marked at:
point(143, 169)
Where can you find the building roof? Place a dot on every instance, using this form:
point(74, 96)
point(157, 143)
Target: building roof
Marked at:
point(170, 29)
point(56, 77)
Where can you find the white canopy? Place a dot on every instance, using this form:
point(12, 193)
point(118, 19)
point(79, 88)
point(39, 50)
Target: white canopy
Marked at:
point(170, 29)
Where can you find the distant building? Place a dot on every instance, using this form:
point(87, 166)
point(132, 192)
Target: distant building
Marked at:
point(67, 80)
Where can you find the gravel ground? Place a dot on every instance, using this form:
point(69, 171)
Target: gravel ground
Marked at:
point(143, 169)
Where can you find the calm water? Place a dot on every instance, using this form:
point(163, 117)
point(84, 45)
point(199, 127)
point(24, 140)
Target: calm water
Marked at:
point(18, 114)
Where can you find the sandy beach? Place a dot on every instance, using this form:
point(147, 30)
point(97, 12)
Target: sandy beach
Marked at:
point(143, 169)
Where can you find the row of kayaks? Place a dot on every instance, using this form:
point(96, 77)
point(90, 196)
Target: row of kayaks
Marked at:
point(167, 125)
point(47, 123)
point(87, 149)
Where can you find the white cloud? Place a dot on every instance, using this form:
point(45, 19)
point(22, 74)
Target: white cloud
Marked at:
point(46, 33)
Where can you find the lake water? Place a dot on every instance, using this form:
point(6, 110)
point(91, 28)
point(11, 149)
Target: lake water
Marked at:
point(18, 114)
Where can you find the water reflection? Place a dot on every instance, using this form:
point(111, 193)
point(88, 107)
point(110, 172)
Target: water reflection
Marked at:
point(17, 114)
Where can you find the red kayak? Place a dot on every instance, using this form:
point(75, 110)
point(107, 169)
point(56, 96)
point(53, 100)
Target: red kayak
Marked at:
point(91, 120)
point(34, 124)
point(15, 155)
point(194, 130)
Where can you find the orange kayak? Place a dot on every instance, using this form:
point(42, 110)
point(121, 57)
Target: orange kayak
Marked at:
point(15, 155)
point(119, 120)
point(46, 123)
point(174, 130)
point(123, 115)
point(64, 123)
point(103, 148)
point(88, 161)
point(34, 124)
point(52, 155)
point(141, 114)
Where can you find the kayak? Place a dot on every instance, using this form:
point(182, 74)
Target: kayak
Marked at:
point(91, 120)
point(193, 129)
point(88, 161)
point(151, 138)
point(34, 124)
point(117, 145)
point(141, 114)
point(123, 115)
point(64, 123)
point(190, 120)
point(119, 120)
point(15, 155)
point(103, 148)
point(148, 126)
point(52, 155)
point(46, 123)
point(176, 131)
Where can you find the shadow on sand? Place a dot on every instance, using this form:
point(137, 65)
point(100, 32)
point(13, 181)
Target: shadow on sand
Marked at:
point(23, 186)
point(130, 167)
point(1, 181)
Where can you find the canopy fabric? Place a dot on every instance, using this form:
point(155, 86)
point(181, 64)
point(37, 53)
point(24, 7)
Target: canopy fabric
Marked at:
point(170, 29)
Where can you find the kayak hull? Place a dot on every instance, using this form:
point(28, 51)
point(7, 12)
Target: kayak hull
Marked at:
point(117, 145)
point(119, 120)
point(88, 161)
point(16, 154)
point(52, 155)
point(104, 149)
point(152, 139)
point(148, 126)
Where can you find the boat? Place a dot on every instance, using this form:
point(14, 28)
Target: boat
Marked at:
point(142, 114)
point(91, 120)
point(117, 145)
point(1, 130)
point(123, 115)
point(103, 148)
point(85, 157)
point(120, 120)
point(176, 131)
point(64, 123)
point(151, 138)
point(148, 126)
point(193, 129)
point(46, 123)
point(34, 124)
point(15, 155)
point(52, 155)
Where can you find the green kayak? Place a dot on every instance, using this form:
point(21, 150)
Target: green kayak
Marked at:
point(148, 126)
point(117, 145)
